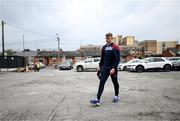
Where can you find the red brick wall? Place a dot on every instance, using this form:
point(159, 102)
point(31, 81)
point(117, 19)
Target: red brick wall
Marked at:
point(167, 53)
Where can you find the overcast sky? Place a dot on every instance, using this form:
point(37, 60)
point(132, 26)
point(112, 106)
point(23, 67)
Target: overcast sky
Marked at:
point(87, 20)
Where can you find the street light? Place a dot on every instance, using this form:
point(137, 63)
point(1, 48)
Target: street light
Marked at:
point(58, 46)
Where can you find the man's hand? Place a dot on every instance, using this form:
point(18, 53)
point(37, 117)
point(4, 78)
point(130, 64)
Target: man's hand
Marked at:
point(98, 69)
point(112, 71)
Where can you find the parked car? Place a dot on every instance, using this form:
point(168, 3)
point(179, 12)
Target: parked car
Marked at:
point(66, 65)
point(123, 66)
point(175, 62)
point(90, 63)
point(154, 63)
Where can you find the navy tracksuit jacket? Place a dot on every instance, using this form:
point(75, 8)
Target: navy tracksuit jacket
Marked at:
point(110, 58)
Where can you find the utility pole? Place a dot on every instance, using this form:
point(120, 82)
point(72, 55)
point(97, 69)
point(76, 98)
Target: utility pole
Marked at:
point(58, 46)
point(23, 52)
point(23, 46)
point(2, 38)
point(81, 48)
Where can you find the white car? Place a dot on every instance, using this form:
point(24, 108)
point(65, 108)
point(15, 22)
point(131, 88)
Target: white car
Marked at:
point(150, 63)
point(90, 63)
point(123, 66)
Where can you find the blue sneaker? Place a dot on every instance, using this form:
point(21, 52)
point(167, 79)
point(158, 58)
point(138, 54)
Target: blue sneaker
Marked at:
point(95, 102)
point(115, 99)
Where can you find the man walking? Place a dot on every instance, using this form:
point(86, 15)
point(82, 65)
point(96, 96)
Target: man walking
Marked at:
point(108, 65)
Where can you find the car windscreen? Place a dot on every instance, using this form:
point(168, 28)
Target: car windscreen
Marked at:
point(96, 60)
point(64, 64)
point(132, 61)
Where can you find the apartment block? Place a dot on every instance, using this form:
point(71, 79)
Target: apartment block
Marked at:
point(163, 45)
point(117, 39)
point(128, 41)
point(91, 50)
point(150, 47)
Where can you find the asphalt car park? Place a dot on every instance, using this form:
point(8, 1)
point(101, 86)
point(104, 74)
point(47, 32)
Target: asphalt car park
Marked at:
point(55, 95)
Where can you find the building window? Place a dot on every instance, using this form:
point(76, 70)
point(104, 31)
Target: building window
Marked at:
point(163, 46)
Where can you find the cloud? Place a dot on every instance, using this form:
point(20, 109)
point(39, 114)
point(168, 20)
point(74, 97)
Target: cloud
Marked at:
point(89, 20)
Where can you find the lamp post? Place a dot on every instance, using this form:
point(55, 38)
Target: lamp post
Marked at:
point(58, 46)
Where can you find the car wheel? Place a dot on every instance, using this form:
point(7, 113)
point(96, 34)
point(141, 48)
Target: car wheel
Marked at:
point(80, 69)
point(167, 68)
point(139, 69)
point(125, 68)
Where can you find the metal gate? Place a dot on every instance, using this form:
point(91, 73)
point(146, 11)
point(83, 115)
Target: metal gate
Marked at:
point(12, 61)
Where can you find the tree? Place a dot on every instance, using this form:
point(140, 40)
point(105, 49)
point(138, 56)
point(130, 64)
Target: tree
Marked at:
point(9, 52)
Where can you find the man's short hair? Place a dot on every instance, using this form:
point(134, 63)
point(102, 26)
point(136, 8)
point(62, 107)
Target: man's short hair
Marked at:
point(109, 34)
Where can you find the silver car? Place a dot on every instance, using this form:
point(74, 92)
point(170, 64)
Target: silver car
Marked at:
point(175, 62)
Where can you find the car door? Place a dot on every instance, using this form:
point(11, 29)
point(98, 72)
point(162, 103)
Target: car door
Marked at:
point(155, 63)
point(149, 63)
point(88, 64)
point(159, 62)
point(95, 63)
